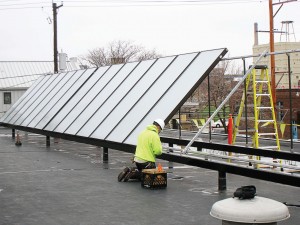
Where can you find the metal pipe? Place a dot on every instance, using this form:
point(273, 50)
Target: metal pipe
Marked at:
point(209, 109)
point(245, 102)
point(291, 106)
point(224, 102)
point(266, 54)
point(179, 125)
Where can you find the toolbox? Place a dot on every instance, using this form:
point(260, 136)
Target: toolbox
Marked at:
point(154, 179)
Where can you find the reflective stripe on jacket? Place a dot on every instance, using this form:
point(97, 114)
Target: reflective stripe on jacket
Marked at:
point(148, 144)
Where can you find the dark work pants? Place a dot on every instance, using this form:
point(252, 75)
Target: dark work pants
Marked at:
point(146, 165)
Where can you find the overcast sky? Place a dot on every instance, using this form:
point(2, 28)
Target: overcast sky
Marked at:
point(171, 27)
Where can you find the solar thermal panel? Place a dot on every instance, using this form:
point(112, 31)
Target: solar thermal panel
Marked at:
point(49, 100)
point(71, 128)
point(113, 103)
point(101, 97)
point(25, 112)
point(61, 119)
point(79, 80)
point(115, 98)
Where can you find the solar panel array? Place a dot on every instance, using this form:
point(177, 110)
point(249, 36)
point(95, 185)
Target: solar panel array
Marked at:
point(112, 103)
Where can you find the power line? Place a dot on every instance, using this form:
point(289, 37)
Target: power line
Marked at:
point(158, 1)
point(113, 4)
point(19, 8)
point(11, 0)
point(20, 4)
point(162, 2)
point(124, 3)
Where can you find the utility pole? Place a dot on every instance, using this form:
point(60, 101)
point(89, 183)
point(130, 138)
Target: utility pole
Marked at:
point(272, 56)
point(272, 49)
point(55, 52)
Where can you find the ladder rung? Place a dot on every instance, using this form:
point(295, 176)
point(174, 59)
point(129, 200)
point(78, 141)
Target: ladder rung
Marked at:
point(249, 118)
point(268, 147)
point(249, 130)
point(260, 121)
point(262, 94)
point(261, 81)
point(261, 67)
point(251, 92)
point(266, 134)
point(264, 107)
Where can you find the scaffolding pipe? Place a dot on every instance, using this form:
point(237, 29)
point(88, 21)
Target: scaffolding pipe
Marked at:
point(186, 149)
point(198, 155)
point(257, 55)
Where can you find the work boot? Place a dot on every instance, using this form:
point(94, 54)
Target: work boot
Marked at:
point(123, 174)
point(133, 174)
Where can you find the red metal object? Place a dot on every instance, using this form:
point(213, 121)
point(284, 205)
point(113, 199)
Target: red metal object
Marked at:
point(230, 130)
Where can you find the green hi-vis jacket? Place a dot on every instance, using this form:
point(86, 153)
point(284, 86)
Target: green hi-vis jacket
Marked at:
point(148, 144)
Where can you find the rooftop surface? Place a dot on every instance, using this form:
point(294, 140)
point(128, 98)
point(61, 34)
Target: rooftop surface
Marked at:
point(68, 183)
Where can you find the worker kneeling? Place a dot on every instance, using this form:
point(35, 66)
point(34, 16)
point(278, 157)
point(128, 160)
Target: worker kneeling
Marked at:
point(147, 148)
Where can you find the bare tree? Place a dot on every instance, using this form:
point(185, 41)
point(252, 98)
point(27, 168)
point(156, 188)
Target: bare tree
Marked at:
point(118, 52)
point(220, 86)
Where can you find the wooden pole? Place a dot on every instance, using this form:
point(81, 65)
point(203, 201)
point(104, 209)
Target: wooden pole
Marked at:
point(272, 49)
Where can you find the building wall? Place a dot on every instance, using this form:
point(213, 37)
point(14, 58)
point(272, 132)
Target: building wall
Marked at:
point(283, 96)
point(15, 95)
point(281, 63)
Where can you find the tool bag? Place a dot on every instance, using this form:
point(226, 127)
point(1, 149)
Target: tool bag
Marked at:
point(245, 192)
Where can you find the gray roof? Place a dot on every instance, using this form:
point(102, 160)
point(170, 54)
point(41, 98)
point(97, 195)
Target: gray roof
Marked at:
point(21, 74)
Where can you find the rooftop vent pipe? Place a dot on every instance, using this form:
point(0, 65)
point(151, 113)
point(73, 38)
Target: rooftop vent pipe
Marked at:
point(255, 33)
point(258, 210)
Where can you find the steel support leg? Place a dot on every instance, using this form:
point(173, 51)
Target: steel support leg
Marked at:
point(171, 150)
point(13, 133)
point(105, 154)
point(222, 180)
point(47, 141)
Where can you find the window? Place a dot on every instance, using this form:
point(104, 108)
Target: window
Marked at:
point(7, 97)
